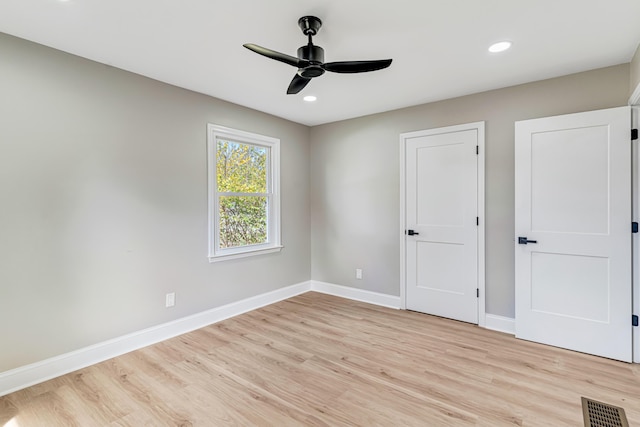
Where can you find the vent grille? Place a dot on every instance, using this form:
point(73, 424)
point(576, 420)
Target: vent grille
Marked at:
point(598, 414)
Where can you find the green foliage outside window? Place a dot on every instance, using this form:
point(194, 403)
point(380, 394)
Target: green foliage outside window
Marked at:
point(241, 178)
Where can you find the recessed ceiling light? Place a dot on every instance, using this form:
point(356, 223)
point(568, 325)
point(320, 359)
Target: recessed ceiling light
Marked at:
point(499, 47)
point(310, 98)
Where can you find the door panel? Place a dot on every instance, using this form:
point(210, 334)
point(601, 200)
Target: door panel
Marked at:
point(437, 267)
point(441, 207)
point(569, 176)
point(573, 198)
point(570, 286)
point(438, 204)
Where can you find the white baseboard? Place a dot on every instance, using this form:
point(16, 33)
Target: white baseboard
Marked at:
point(376, 298)
point(25, 376)
point(47, 369)
point(500, 324)
point(28, 375)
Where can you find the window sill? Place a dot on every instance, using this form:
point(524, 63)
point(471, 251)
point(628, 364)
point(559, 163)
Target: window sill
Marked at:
point(225, 257)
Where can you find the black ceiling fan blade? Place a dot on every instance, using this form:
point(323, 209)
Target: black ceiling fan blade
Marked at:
point(356, 66)
point(282, 57)
point(297, 84)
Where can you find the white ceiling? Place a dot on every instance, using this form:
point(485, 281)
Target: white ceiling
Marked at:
point(439, 48)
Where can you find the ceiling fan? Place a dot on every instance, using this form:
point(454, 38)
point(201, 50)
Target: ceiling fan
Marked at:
point(310, 60)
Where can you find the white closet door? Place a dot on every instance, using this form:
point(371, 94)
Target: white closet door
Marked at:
point(573, 232)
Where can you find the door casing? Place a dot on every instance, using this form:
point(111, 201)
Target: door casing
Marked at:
point(635, 251)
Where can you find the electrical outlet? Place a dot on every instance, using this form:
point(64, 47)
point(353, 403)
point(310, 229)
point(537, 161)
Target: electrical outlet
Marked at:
point(358, 273)
point(170, 299)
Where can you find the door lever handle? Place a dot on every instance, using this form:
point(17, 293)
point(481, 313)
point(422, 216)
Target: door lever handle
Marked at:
point(524, 241)
point(412, 233)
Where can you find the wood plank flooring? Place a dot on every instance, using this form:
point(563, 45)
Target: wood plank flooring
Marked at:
point(318, 360)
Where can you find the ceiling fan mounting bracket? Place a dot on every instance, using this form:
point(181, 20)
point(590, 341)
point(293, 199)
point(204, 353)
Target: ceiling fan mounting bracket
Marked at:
point(310, 25)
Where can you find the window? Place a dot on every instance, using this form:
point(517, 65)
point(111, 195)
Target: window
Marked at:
point(244, 199)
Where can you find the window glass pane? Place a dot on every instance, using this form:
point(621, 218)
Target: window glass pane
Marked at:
point(243, 221)
point(241, 168)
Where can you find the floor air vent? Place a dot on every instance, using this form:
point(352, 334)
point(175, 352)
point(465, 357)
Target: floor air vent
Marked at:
point(598, 414)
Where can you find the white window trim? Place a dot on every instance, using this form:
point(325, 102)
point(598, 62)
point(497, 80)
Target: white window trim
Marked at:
point(273, 214)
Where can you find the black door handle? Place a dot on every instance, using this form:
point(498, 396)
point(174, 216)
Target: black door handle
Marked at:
point(412, 233)
point(524, 241)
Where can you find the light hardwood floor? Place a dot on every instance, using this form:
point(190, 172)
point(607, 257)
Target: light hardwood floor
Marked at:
point(322, 360)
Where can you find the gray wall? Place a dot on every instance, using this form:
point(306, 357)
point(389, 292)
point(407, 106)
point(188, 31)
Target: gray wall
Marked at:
point(635, 71)
point(355, 178)
point(103, 204)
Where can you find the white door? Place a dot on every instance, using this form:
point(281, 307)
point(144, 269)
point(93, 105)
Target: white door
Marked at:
point(573, 206)
point(441, 184)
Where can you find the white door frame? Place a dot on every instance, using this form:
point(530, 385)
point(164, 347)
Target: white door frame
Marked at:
point(479, 127)
point(634, 102)
point(635, 241)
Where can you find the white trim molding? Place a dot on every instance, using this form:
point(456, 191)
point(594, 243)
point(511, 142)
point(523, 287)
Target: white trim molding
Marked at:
point(384, 300)
point(271, 193)
point(634, 100)
point(26, 376)
point(635, 197)
point(500, 324)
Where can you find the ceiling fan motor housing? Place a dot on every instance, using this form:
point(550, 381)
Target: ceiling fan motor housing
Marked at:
point(315, 55)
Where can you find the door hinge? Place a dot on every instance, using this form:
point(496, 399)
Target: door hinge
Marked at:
point(634, 320)
point(478, 147)
point(477, 292)
point(634, 134)
point(634, 227)
point(477, 220)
